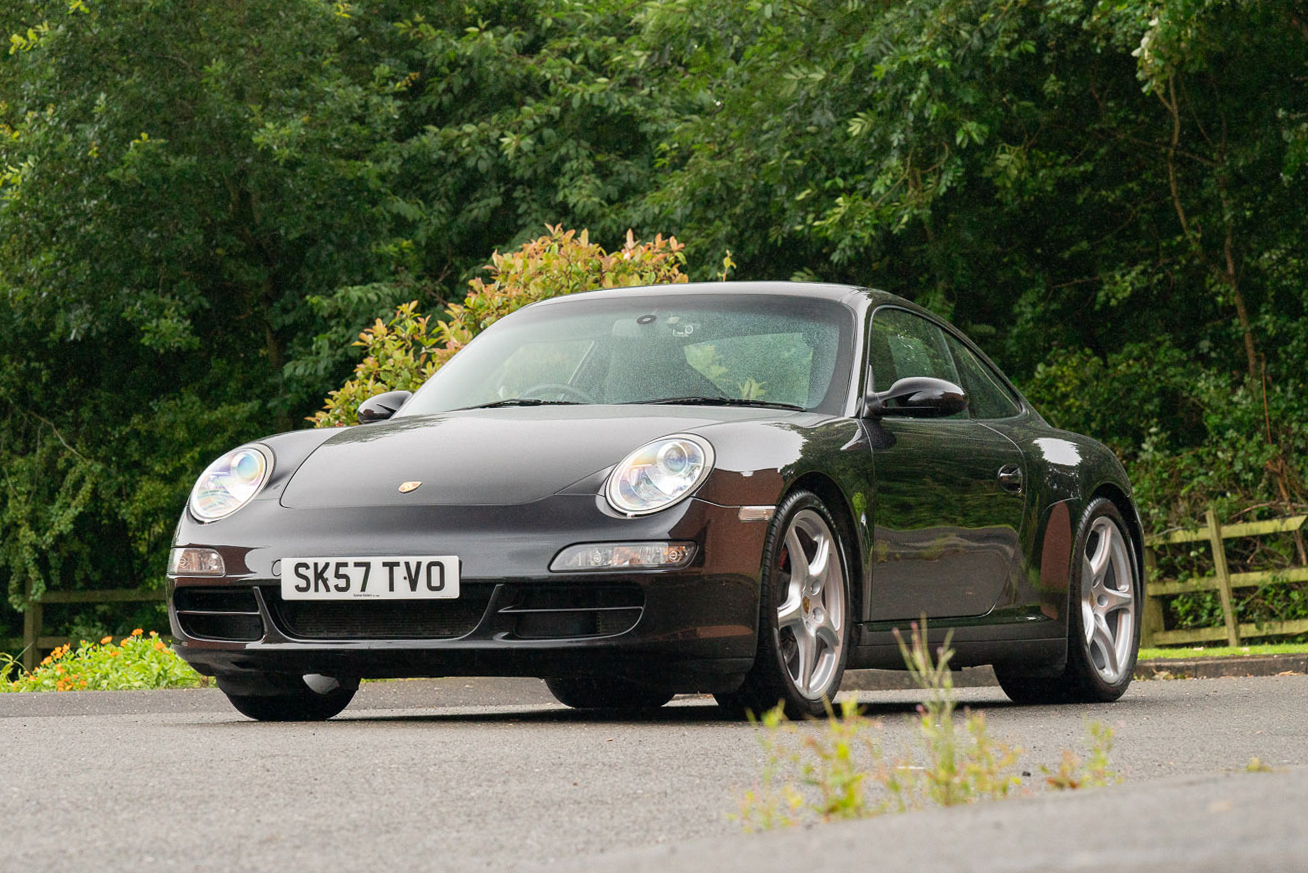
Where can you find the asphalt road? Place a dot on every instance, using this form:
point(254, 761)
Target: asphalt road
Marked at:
point(490, 775)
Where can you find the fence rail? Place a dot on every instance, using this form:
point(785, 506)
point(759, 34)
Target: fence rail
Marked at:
point(1223, 581)
point(33, 643)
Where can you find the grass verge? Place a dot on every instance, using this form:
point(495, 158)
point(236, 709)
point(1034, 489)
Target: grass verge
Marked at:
point(1189, 652)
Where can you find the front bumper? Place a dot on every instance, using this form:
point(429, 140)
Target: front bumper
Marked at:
point(691, 629)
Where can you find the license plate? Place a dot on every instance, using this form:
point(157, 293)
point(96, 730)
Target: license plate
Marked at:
point(385, 578)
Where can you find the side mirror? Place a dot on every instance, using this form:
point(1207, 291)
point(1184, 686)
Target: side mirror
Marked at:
point(916, 397)
point(382, 406)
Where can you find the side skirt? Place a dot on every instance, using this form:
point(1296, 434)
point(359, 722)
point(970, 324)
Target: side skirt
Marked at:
point(1030, 647)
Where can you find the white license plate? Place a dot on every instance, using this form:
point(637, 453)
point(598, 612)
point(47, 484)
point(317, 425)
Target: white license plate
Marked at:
point(372, 578)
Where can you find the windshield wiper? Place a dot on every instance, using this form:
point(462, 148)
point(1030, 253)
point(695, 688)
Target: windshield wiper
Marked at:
point(720, 401)
point(522, 401)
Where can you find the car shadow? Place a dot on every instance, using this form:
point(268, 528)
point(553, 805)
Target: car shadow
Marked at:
point(679, 713)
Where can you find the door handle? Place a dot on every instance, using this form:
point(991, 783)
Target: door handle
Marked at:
point(1010, 478)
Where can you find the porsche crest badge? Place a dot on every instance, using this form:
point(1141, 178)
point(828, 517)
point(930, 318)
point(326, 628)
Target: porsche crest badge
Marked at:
point(409, 486)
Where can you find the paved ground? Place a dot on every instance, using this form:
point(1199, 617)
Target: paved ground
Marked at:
point(490, 775)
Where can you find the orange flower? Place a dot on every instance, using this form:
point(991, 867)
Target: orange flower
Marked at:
point(46, 662)
point(113, 654)
point(159, 646)
point(137, 632)
point(106, 641)
point(153, 634)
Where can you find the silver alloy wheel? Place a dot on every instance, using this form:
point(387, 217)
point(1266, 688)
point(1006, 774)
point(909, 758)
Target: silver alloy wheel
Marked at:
point(1108, 600)
point(811, 617)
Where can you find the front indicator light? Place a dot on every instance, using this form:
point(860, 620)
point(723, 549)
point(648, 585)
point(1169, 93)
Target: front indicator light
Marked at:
point(195, 562)
point(623, 556)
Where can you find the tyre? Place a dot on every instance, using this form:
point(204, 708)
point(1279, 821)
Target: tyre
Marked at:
point(804, 614)
point(1103, 622)
point(289, 698)
point(580, 693)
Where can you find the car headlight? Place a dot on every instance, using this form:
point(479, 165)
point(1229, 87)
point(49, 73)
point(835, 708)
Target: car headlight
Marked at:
point(659, 474)
point(230, 482)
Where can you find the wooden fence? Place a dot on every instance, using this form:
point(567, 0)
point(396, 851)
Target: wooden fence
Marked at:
point(1223, 581)
point(1152, 632)
point(33, 643)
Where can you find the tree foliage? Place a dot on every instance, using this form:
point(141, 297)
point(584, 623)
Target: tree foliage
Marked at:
point(201, 205)
point(401, 354)
point(1114, 184)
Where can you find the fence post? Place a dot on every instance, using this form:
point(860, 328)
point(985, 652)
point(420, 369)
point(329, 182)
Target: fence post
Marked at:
point(1151, 615)
point(31, 630)
point(1223, 578)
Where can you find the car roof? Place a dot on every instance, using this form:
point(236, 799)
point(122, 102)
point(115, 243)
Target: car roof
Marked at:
point(849, 294)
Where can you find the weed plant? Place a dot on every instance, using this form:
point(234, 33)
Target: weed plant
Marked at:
point(841, 770)
point(136, 661)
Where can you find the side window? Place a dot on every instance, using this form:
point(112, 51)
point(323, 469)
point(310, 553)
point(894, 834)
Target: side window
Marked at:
point(988, 397)
point(901, 344)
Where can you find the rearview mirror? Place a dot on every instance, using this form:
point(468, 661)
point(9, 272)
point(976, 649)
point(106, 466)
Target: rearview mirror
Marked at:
point(916, 397)
point(382, 406)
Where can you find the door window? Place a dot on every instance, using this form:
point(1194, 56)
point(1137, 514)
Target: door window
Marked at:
point(987, 396)
point(902, 344)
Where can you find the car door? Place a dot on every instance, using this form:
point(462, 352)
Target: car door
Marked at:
point(949, 503)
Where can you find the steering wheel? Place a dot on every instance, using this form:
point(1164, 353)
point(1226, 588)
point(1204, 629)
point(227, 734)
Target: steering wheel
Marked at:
point(565, 392)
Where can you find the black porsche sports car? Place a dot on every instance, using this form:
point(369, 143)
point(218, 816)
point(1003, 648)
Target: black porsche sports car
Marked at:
point(740, 489)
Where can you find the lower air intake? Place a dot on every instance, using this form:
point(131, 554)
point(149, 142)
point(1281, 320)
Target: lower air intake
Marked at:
point(380, 620)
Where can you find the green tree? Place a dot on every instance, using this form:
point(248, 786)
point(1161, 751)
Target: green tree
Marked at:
point(177, 181)
point(403, 353)
point(1068, 180)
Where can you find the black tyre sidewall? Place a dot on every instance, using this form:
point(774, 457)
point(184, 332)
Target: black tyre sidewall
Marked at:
point(291, 700)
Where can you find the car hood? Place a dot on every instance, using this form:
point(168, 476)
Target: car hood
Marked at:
point(486, 456)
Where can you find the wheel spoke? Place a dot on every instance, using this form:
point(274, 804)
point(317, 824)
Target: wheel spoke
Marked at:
point(1103, 555)
point(1104, 641)
point(828, 634)
point(798, 558)
point(791, 613)
point(818, 567)
point(806, 652)
point(1113, 600)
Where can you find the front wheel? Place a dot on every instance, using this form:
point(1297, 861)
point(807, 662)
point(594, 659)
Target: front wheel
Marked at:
point(805, 615)
point(1103, 623)
point(582, 693)
point(289, 698)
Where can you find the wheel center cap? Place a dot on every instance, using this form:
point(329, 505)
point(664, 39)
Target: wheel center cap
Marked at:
point(806, 604)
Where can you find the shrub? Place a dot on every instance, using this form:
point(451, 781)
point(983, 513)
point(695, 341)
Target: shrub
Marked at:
point(135, 662)
point(401, 354)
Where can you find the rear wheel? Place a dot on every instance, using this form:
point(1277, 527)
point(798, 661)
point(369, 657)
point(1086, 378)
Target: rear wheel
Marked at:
point(289, 698)
point(804, 621)
point(1103, 621)
point(583, 693)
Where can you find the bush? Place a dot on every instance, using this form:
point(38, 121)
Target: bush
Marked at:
point(401, 354)
point(135, 662)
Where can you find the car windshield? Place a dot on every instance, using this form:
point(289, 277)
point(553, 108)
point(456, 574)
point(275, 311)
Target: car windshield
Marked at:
point(710, 349)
